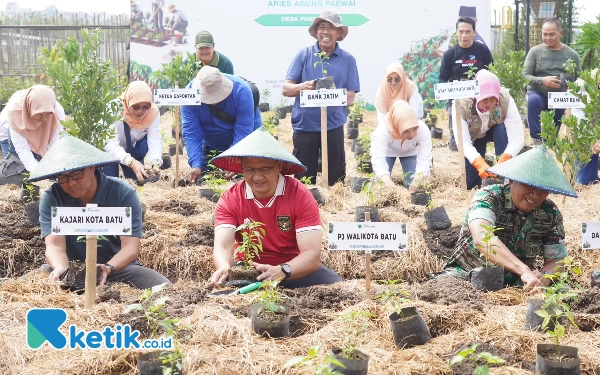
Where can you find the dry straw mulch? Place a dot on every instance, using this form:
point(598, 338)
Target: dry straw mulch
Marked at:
point(178, 242)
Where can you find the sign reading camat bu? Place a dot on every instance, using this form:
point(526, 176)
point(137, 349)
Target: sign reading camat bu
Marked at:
point(367, 236)
point(164, 97)
point(563, 100)
point(76, 221)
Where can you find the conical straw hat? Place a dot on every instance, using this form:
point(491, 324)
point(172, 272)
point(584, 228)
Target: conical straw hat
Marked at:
point(259, 144)
point(69, 154)
point(536, 168)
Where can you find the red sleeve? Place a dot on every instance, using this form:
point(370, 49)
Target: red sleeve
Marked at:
point(309, 218)
point(224, 217)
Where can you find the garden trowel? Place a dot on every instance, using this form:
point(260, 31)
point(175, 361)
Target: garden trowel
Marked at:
point(243, 290)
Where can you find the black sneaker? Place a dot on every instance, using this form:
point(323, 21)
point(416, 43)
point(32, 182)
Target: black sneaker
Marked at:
point(452, 145)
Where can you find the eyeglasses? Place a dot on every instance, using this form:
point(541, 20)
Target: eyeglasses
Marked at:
point(137, 107)
point(397, 79)
point(63, 178)
point(263, 170)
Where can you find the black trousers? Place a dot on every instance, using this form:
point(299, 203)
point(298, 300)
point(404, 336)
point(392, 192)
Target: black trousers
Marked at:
point(307, 147)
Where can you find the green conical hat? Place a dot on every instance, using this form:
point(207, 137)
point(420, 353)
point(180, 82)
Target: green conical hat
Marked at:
point(259, 144)
point(69, 154)
point(536, 168)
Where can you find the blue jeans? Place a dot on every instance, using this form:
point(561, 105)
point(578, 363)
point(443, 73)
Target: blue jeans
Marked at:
point(588, 174)
point(5, 148)
point(496, 134)
point(536, 103)
point(409, 166)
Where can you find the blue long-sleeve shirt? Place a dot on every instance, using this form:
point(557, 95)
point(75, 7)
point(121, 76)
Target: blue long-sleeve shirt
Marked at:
point(200, 127)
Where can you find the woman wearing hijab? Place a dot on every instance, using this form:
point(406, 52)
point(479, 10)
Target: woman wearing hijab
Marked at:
point(137, 135)
point(33, 127)
point(400, 134)
point(396, 86)
point(492, 116)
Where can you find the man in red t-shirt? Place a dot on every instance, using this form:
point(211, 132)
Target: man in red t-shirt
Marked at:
point(292, 243)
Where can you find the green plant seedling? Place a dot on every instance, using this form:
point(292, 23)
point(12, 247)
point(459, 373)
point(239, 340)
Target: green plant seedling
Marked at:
point(30, 189)
point(482, 360)
point(172, 361)
point(488, 247)
point(371, 191)
point(270, 299)
point(311, 360)
point(394, 295)
point(356, 323)
point(431, 205)
point(570, 66)
point(470, 73)
point(306, 180)
point(323, 60)
point(151, 306)
point(251, 245)
point(265, 95)
point(554, 307)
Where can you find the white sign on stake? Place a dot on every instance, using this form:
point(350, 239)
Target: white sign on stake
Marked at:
point(80, 221)
point(559, 100)
point(367, 236)
point(456, 89)
point(590, 236)
point(323, 98)
point(163, 97)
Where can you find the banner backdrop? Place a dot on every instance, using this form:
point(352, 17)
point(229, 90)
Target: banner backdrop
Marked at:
point(261, 37)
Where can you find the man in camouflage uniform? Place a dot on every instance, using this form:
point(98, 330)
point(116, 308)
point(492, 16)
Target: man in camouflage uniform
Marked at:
point(529, 225)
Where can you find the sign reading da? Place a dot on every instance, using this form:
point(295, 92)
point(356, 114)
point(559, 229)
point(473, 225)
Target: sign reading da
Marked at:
point(79, 221)
point(367, 236)
point(164, 97)
point(590, 235)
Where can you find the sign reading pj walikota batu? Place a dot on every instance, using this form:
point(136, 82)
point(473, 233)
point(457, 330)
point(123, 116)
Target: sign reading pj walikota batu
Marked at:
point(367, 236)
point(262, 37)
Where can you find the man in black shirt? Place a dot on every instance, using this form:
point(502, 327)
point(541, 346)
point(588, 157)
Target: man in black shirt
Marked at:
point(460, 58)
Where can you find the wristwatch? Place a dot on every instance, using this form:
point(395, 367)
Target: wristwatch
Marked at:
point(538, 80)
point(111, 267)
point(287, 270)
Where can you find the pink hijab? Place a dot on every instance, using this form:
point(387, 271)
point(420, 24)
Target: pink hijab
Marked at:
point(23, 106)
point(385, 96)
point(135, 93)
point(400, 118)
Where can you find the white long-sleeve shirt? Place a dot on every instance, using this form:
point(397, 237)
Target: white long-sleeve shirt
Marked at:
point(415, 101)
point(4, 124)
point(116, 146)
point(514, 131)
point(22, 146)
point(383, 145)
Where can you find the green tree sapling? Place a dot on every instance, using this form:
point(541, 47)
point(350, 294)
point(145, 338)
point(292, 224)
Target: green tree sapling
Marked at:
point(323, 60)
point(487, 245)
point(311, 360)
point(482, 360)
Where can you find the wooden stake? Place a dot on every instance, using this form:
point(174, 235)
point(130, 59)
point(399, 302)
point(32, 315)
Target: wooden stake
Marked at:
point(461, 150)
point(176, 115)
point(91, 259)
point(368, 263)
point(324, 152)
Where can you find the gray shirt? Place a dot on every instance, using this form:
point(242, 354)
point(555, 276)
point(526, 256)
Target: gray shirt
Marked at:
point(112, 192)
point(541, 62)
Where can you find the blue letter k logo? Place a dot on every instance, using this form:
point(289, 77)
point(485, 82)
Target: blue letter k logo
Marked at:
point(43, 325)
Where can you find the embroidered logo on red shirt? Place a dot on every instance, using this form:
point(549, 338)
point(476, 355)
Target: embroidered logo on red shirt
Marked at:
point(284, 223)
